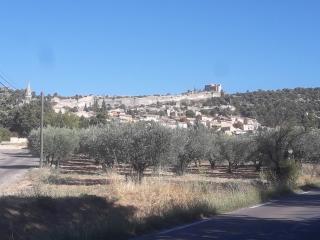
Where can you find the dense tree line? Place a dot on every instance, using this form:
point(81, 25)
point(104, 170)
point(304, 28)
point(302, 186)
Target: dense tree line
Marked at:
point(301, 106)
point(20, 118)
point(280, 150)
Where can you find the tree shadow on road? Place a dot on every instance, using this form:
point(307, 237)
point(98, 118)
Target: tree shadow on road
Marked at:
point(17, 166)
point(85, 217)
point(19, 155)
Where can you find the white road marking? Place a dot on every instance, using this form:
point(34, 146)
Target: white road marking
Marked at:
point(184, 226)
point(263, 204)
point(305, 192)
point(209, 219)
point(259, 205)
point(206, 220)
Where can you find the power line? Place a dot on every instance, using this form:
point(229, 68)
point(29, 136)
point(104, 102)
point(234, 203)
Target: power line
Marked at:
point(7, 79)
point(3, 85)
point(3, 77)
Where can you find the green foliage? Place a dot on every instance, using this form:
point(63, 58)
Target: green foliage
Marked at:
point(95, 106)
point(100, 118)
point(88, 140)
point(211, 145)
point(103, 107)
point(4, 134)
point(233, 149)
point(300, 106)
point(277, 147)
point(306, 147)
point(24, 118)
point(188, 145)
point(190, 114)
point(60, 120)
point(139, 144)
point(290, 171)
point(59, 143)
point(148, 144)
point(14, 115)
point(103, 143)
point(199, 143)
point(178, 157)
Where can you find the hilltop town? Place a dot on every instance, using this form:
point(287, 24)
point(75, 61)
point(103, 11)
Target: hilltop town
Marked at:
point(232, 114)
point(180, 110)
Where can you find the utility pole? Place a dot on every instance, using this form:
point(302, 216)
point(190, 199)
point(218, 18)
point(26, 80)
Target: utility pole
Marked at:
point(41, 131)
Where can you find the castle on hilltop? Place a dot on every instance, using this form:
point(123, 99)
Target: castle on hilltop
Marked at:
point(213, 88)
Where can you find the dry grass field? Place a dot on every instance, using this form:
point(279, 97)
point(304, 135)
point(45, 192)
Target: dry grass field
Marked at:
point(83, 202)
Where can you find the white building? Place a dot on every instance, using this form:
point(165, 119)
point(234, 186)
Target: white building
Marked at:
point(28, 96)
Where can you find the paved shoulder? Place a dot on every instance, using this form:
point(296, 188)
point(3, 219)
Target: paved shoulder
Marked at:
point(14, 163)
point(294, 217)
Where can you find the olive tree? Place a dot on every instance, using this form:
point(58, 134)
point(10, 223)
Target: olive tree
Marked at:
point(251, 153)
point(88, 141)
point(276, 147)
point(59, 143)
point(48, 148)
point(110, 144)
point(306, 149)
point(212, 148)
point(187, 145)
point(143, 145)
point(178, 156)
point(233, 149)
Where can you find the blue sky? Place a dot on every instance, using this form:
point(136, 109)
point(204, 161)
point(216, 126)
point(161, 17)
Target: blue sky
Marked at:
point(137, 47)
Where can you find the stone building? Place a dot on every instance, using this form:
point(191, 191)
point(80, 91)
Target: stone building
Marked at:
point(213, 88)
point(28, 95)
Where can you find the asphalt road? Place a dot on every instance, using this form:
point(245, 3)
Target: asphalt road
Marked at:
point(14, 163)
point(294, 217)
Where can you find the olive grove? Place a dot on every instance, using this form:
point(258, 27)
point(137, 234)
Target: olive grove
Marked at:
point(142, 145)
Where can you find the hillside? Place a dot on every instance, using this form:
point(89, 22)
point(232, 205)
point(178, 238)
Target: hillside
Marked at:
point(299, 105)
point(81, 102)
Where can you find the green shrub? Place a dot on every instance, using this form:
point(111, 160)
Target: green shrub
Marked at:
point(285, 176)
point(290, 171)
point(4, 134)
point(59, 143)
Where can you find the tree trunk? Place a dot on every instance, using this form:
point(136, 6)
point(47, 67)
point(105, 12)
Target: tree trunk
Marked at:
point(58, 163)
point(229, 167)
point(257, 166)
point(212, 164)
point(140, 175)
point(181, 169)
point(52, 160)
point(104, 167)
